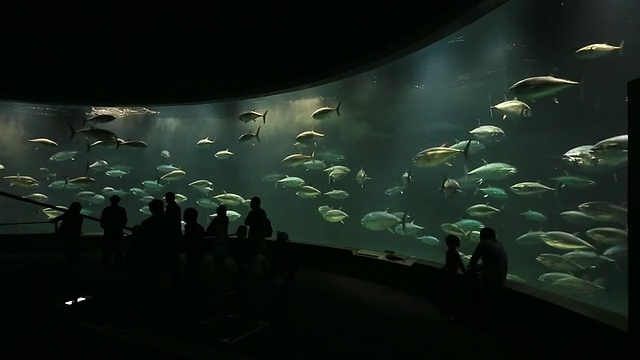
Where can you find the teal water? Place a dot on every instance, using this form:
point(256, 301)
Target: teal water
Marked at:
point(430, 98)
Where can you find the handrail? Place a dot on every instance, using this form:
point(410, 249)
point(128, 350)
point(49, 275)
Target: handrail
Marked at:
point(25, 223)
point(45, 205)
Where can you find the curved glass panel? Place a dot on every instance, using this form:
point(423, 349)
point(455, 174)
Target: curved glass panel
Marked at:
point(537, 86)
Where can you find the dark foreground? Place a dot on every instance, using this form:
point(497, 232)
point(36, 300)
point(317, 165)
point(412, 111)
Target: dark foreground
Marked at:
point(321, 315)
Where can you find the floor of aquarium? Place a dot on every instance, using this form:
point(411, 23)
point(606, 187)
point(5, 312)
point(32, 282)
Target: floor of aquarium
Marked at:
point(320, 315)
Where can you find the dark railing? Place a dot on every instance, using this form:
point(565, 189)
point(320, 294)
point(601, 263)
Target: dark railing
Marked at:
point(44, 205)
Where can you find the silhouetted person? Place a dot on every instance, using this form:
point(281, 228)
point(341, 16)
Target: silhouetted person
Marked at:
point(453, 261)
point(259, 229)
point(173, 216)
point(283, 258)
point(238, 249)
point(112, 221)
point(70, 231)
point(492, 274)
point(450, 281)
point(156, 267)
point(195, 246)
point(219, 228)
point(173, 212)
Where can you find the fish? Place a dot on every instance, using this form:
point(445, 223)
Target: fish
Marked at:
point(223, 154)
point(291, 181)
point(482, 210)
point(558, 263)
point(438, 155)
point(206, 142)
point(380, 220)
point(530, 238)
point(171, 176)
point(406, 178)
point(309, 136)
point(361, 177)
point(605, 211)
point(594, 51)
point(232, 215)
point(44, 142)
point(326, 112)
point(64, 156)
point(167, 168)
point(512, 108)
point(488, 133)
point(229, 198)
point(449, 186)
point(575, 181)
point(99, 119)
point(428, 240)
point(530, 188)
point(608, 235)
point(252, 115)
point(94, 133)
point(493, 171)
point(249, 137)
point(534, 216)
point(295, 160)
point(98, 165)
point(395, 190)
point(335, 215)
point(565, 241)
point(116, 173)
point(135, 144)
point(200, 183)
point(539, 87)
point(37, 197)
point(337, 194)
point(492, 192)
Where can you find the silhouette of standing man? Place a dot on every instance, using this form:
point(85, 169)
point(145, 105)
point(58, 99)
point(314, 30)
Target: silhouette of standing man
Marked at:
point(173, 216)
point(259, 229)
point(112, 221)
point(70, 230)
point(492, 274)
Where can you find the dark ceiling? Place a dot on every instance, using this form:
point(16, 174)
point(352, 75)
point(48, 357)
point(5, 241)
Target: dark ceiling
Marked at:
point(141, 59)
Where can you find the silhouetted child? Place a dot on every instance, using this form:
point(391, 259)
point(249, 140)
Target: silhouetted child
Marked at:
point(283, 258)
point(451, 282)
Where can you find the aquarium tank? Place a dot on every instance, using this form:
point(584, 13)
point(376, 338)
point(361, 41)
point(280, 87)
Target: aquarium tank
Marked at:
point(517, 122)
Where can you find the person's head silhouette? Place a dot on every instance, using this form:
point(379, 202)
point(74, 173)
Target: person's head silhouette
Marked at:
point(487, 234)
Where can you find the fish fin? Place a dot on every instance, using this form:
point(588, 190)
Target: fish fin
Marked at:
point(264, 117)
point(504, 117)
point(338, 108)
point(448, 164)
point(258, 133)
point(555, 100)
point(73, 131)
point(484, 162)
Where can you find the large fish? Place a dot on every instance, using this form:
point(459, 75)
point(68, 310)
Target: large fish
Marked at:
point(325, 112)
point(594, 51)
point(539, 87)
point(438, 155)
point(94, 133)
point(252, 115)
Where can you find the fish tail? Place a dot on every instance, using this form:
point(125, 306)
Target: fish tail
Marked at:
point(621, 46)
point(264, 117)
point(88, 145)
point(117, 144)
point(465, 152)
point(73, 131)
point(338, 108)
point(258, 133)
point(491, 111)
point(444, 179)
